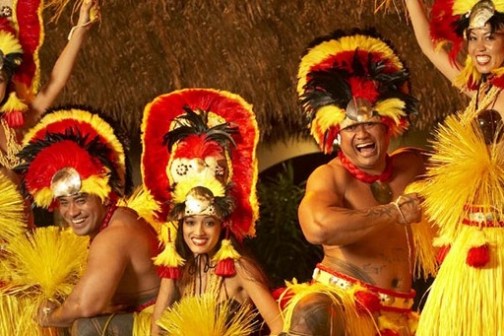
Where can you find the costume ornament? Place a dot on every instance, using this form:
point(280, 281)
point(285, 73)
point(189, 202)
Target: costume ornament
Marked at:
point(72, 151)
point(199, 158)
point(465, 297)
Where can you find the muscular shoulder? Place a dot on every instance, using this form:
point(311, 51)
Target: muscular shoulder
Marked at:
point(410, 159)
point(125, 226)
point(327, 176)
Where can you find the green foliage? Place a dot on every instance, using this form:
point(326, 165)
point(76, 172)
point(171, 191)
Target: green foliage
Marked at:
point(280, 246)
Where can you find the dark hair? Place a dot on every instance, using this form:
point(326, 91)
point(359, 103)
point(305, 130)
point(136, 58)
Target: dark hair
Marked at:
point(185, 252)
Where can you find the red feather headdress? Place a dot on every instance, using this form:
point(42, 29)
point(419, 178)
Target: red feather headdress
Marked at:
point(448, 24)
point(77, 139)
point(222, 107)
point(21, 35)
point(342, 75)
point(202, 137)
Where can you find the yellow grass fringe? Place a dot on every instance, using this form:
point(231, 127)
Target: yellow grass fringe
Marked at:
point(205, 316)
point(463, 172)
point(46, 263)
point(145, 206)
point(465, 300)
point(425, 262)
point(12, 216)
point(142, 322)
point(16, 317)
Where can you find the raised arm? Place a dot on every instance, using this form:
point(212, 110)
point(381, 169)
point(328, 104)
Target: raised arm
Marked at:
point(94, 292)
point(438, 57)
point(64, 64)
point(324, 219)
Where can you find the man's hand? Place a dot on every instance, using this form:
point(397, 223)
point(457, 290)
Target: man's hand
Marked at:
point(44, 313)
point(408, 208)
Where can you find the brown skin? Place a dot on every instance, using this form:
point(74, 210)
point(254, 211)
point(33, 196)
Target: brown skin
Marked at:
point(200, 233)
point(360, 237)
point(480, 43)
point(59, 75)
point(119, 273)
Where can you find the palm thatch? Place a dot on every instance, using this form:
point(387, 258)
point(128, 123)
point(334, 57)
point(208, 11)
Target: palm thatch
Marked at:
point(251, 47)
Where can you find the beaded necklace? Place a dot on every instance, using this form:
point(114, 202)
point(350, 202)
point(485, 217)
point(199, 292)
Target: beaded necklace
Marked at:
point(377, 183)
point(106, 220)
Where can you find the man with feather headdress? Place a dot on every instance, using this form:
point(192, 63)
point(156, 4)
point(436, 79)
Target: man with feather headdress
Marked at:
point(354, 90)
point(73, 161)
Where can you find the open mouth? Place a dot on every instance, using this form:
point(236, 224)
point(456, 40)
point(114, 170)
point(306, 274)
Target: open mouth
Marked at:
point(78, 221)
point(483, 59)
point(366, 148)
point(199, 241)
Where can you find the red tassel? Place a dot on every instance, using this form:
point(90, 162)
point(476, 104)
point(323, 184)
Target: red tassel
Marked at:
point(478, 257)
point(388, 332)
point(283, 296)
point(367, 302)
point(15, 119)
point(442, 253)
point(225, 268)
point(169, 272)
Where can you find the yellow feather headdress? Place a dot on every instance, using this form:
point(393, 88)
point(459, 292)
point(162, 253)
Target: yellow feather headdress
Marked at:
point(344, 79)
point(450, 20)
point(79, 142)
point(194, 139)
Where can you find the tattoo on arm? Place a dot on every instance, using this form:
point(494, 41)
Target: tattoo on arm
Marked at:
point(379, 211)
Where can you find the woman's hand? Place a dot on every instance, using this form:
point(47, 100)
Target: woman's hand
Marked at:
point(89, 13)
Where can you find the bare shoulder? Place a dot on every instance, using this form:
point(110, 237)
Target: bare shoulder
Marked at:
point(129, 220)
point(125, 225)
point(248, 270)
point(410, 158)
point(327, 175)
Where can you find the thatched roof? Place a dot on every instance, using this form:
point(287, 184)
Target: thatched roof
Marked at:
point(250, 47)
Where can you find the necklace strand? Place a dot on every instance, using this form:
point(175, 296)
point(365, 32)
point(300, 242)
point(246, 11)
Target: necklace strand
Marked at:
point(362, 175)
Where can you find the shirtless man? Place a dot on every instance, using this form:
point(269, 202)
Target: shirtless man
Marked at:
point(355, 206)
point(120, 275)
point(84, 179)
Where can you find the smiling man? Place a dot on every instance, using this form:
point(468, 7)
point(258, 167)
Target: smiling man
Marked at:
point(354, 90)
point(75, 163)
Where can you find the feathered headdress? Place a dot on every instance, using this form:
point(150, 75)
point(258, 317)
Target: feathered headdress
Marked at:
point(21, 35)
point(69, 151)
point(344, 79)
point(199, 155)
point(450, 20)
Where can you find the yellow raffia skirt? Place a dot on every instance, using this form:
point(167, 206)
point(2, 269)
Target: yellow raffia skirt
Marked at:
point(467, 296)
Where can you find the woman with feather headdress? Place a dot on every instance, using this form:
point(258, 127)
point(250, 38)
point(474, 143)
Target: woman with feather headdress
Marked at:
point(22, 99)
point(464, 194)
point(199, 166)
